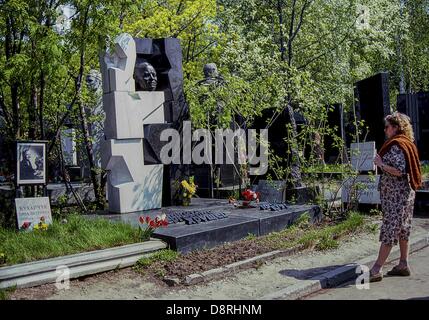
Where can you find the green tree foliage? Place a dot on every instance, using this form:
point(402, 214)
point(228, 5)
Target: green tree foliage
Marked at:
point(281, 54)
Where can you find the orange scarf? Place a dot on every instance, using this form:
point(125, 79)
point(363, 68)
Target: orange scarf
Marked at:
point(411, 157)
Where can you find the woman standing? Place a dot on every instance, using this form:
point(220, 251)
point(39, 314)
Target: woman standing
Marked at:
point(401, 176)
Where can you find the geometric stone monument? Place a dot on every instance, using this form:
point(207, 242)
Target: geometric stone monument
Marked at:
point(132, 185)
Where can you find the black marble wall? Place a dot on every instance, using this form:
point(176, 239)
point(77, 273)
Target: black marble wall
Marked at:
point(416, 106)
point(372, 105)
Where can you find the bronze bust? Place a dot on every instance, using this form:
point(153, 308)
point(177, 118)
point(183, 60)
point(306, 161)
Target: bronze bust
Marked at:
point(211, 75)
point(145, 77)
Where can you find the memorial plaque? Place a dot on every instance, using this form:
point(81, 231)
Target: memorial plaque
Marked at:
point(362, 156)
point(194, 217)
point(31, 211)
point(368, 189)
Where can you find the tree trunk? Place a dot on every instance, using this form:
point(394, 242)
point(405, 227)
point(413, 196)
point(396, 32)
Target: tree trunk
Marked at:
point(95, 177)
point(296, 179)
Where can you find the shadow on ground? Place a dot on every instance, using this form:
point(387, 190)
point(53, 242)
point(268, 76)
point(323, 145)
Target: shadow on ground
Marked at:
point(305, 274)
point(419, 298)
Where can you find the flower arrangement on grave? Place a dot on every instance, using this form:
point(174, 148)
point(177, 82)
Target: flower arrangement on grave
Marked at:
point(187, 191)
point(42, 225)
point(25, 225)
point(149, 225)
point(250, 198)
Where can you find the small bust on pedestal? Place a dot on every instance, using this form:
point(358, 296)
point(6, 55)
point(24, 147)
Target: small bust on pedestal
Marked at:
point(211, 75)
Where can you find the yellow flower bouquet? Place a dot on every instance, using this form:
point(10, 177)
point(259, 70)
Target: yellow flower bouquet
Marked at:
point(187, 190)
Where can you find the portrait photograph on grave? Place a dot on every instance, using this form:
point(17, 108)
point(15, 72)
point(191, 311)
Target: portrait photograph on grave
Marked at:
point(31, 162)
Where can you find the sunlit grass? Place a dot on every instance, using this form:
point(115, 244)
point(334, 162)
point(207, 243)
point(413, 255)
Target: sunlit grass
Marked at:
point(77, 235)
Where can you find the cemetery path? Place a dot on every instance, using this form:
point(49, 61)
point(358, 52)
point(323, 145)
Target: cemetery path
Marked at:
point(414, 287)
point(247, 284)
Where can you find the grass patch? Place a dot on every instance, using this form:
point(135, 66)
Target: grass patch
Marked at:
point(321, 237)
point(250, 236)
point(75, 236)
point(425, 171)
point(5, 293)
point(165, 255)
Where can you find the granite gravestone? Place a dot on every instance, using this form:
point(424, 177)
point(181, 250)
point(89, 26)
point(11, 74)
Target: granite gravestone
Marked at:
point(336, 123)
point(372, 105)
point(362, 156)
point(416, 106)
point(271, 191)
point(367, 192)
point(276, 122)
point(31, 211)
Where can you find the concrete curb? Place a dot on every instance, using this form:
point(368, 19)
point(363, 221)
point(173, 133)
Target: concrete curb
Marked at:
point(81, 264)
point(338, 276)
point(221, 272)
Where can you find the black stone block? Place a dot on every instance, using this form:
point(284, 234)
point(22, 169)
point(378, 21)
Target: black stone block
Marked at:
point(185, 238)
point(372, 105)
point(152, 143)
point(273, 221)
point(416, 106)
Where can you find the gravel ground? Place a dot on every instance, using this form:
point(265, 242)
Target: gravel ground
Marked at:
point(248, 284)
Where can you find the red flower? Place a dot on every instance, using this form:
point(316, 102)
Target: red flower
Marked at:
point(248, 194)
point(165, 223)
point(141, 219)
point(25, 225)
point(152, 224)
point(148, 219)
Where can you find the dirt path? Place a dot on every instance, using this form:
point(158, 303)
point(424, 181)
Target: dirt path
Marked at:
point(248, 284)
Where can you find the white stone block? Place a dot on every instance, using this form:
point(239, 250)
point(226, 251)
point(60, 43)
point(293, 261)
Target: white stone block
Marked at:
point(132, 186)
point(126, 112)
point(362, 156)
point(117, 67)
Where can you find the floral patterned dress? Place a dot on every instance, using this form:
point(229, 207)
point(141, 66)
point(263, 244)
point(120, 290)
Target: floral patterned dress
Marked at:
point(397, 199)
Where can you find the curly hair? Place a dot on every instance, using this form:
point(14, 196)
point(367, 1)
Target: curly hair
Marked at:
point(402, 122)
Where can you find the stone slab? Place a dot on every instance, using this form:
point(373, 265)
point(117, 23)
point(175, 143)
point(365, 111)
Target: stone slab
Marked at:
point(272, 221)
point(186, 238)
point(239, 224)
point(81, 264)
